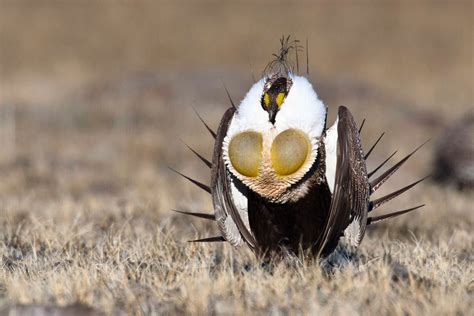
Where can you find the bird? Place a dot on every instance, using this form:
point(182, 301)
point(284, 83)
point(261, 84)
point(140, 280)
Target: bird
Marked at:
point(453, 159)
point(282, 182)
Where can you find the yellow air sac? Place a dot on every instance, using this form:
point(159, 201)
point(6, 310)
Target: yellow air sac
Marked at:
point(289, 151)
point(245, 153)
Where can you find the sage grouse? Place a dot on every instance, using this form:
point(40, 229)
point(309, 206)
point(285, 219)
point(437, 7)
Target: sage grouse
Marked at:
point(283, 183)
point(454, 154)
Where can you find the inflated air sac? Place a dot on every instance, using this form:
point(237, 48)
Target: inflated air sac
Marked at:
point(245, 153)
point(289, 151)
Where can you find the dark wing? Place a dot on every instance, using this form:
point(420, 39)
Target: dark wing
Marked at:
point(350, 200)
point(228, 218)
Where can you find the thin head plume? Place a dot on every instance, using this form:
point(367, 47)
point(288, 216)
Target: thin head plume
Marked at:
point(297, 59)
point(280, 65)
point(307, 58)
point(252, 75)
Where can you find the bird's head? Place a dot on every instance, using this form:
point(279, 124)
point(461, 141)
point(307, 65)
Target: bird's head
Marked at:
point(273, 139)
point(275, 90)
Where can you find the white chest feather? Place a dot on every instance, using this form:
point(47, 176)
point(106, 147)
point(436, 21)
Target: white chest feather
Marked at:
point(331, 155)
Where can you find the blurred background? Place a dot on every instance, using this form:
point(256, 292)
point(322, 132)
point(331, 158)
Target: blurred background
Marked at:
point(96, 100)
point(96, 96)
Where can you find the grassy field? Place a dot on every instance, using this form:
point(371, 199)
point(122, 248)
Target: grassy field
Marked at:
point(96, 97)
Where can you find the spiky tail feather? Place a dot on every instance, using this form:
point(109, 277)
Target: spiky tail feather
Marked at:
point(201, 157)
point(373, 219)
point(361, 125)
point(377, 183)
point(373, 146)
point(378, 202)
point(199, 184)
point(370, 174)
point(210, 130)
point(211, 217)
point(209, 239)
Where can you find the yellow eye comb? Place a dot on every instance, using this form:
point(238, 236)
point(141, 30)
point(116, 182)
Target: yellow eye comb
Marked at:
point(279, 98)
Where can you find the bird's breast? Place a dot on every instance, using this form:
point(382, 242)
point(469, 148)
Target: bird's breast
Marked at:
point(270, 163)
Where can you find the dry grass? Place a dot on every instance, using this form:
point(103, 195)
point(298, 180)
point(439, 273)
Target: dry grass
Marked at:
point(88, 126)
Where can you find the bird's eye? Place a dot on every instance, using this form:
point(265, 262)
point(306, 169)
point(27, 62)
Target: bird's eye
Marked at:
point(279, 98)
point(245, 153)
point(289, 151)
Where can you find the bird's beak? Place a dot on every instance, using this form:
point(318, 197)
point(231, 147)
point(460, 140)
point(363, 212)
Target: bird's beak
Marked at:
point(272, 112)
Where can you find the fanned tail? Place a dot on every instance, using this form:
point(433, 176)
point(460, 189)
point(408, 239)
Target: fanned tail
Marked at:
point(377, 183)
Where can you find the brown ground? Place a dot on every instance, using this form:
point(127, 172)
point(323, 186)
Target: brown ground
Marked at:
point(95, 97)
